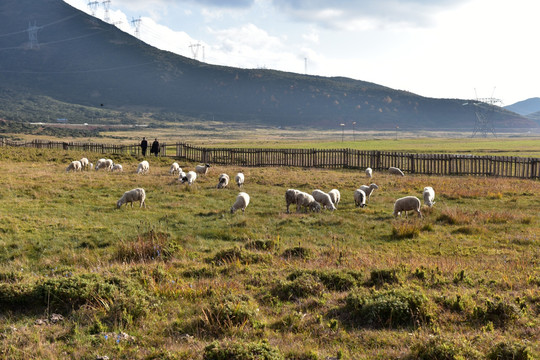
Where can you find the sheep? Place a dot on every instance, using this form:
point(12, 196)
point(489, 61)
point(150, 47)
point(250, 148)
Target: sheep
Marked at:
point(100, 163)
point(359, 198)
point(290, 197)
point(104, 164)
point(130, 196)
point(143, 167)
point(74, 166)
point(239, 179)
point(117, 167)
point(335, 196)
point(369, 172)
point(307, 201)
point(324, 199)
point(407, 203)
point(175, 169)
point(368, 189)
point(84, 163)
point(429, 196)
point(223, 181)
point(242, 201)
point(202, 169)
point(395, 171)
point(90, 166)
point(190, 177)
point(181, 175)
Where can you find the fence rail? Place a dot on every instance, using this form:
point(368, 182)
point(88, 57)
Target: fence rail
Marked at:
point(412, 163)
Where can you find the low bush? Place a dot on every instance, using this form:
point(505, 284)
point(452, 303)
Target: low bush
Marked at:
point(498, 312)
point(146, 247)
point(406, 230)
point(337, 280)
point(439, 349)
point(509, 351)
point(235, 254)
point(241, 351)
point(383, 276)
point(227, 312)
point(298, 252)
point(302, 286)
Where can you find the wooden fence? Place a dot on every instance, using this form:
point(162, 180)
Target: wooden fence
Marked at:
point(429, 164)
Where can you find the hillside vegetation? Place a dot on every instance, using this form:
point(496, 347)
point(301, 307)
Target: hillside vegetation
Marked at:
point(185, 279)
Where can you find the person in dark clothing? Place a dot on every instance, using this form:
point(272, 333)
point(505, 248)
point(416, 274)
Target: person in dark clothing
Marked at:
point(144, 146)
point(155, 148)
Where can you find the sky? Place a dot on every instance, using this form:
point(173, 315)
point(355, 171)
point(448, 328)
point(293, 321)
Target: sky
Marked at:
point(465, 49)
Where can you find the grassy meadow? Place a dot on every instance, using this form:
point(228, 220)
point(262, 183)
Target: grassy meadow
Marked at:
point(184, 278)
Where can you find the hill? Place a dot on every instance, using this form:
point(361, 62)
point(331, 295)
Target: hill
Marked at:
point(53, 53)
point(525, 107)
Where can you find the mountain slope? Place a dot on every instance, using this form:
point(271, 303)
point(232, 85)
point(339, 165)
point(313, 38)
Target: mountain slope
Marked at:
point(79, 59)
point(525, 107)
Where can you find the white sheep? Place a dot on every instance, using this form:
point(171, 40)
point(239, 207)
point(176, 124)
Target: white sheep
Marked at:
point(84, 163)
point(242, 201)
point(223, 181)
point(324, 199)
point(291, 197)
point(239, 179)
point(181, 175)
point(190, 177)
point(307, 201)
point(369, 172)
point(359, 198)
point(429, 196)
point(407, 203)
point(335, 196)
point(90, 166)
point(395, 171)
point(100, 164)
point(368, 189)
point(106, 164)
point(175, 169)
point(202, 169)
point(117, 167)
point(143, 167)
point(130, 196)
point(74, 166)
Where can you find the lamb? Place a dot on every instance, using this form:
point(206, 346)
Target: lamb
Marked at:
point(117, 167)
point(407, 203)
point(242, 201)
point(239, 179)
point(368, 189)
point(429, 196)
point(175, 169)
point(130, 196)
point(359, 198)
point(143, 167)
point(395, 171)
point(291, 197)
point(223, 181)
point(190, 177)
point(307, 201)
point(84, 163)
point(324, 199)
point(335, 196)
point(74, 166)
point(369, 172)
point(202, 169)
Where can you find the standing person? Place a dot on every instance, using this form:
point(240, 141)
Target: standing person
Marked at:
point(155, 148)
point(144, 146)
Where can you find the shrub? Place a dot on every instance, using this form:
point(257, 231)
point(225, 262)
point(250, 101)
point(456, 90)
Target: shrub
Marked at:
point(394, 308)
point(509, 351)
point(237, 254)
point(302, 286)
point(384, 276)
point(298, 252)
point(267, 245)
point(228, 312)
point(498, 312)
point(337, 280)
point(406, 229)
point(241, 351)
point(436, 349)
point(147, 247)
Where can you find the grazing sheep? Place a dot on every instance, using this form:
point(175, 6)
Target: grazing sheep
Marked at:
point(429, 196)
point(117, 167)
point(242, 201)
point(324, 199)
point(202, 169)
point(239, 179)
point(100, 164)
point(290, 197)
point(368, 189)
point(74, 166)
point(407, 203)
point(223, 181)
point(307, 201)
point(335, 196)
point(130, 196)
point(181, 175)
point(84, 163)
point(359, 198)
point(143, 167)
point(175, 169)
point(90, 166)
point(190, 177)
point(369, 172)
point(395, 171)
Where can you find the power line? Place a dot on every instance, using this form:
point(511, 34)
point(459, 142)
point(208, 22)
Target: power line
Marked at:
point(77, 71)
point(42, 26)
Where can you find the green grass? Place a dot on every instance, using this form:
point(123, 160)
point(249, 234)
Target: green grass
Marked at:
point(185, 279)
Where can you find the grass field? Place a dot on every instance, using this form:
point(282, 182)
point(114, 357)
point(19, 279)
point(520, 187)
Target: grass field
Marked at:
point(185, 279)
